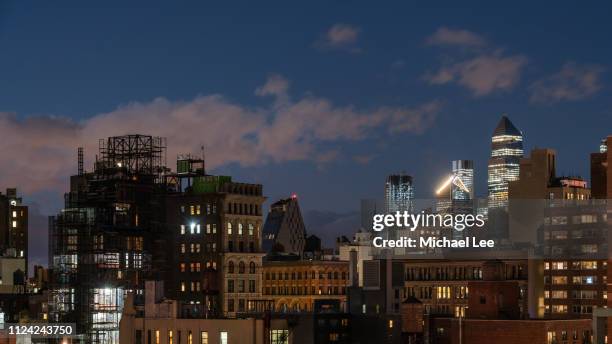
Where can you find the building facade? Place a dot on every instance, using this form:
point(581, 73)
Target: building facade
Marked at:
point(399, 193)
point(215, 241)
point(295, 286)
point(284, 229)
point(13, 225)
point(506, 152)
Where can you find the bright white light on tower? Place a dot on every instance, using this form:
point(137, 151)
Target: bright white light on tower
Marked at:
point(445, 185)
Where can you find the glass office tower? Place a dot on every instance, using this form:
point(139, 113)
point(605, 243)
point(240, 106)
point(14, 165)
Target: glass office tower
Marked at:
point(399, 193)
point(506, 152)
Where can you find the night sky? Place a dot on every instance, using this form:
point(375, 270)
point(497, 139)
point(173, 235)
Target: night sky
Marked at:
point(322, 99)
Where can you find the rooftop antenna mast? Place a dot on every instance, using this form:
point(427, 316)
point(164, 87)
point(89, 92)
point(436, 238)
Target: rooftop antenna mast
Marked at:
point(203, 160)
point(80, 160)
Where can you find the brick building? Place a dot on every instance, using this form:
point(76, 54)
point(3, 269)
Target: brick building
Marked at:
point(294, 286)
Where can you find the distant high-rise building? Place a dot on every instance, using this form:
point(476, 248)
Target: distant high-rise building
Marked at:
point(285, 227)
point(506, 152)
point(456, 194)
point(463, 187)
point(369, 208)
point(399, 193)
point(601, 173)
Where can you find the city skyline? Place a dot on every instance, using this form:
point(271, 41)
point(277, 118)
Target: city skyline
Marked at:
point(405, 86)
point(459, 107)
point(305, 172)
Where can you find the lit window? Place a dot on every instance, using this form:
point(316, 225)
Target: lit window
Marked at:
point(14, 213)
point(390, 323)
point(229, 228)
point(239, 228)
point(204, 337)
point(14, 224)
point(156, 336)
point(182, 286)
point(182, 229)
point(170, 337)
point(223, 337)
point(279, 336)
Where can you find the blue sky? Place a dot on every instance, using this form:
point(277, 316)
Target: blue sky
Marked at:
point(70, 70)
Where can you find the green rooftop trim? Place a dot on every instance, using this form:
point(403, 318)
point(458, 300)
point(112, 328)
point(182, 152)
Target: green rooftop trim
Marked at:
point(209, 184)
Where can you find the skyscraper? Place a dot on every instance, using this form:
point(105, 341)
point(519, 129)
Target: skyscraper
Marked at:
point(506, 152)
point(399, 193)
point(456, 194)
point(463, 188)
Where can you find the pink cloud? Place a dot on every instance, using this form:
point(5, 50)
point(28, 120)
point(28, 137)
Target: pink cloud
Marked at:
point(340, 37)
point(455, 37)
point(572, 82)
point(483, 74)
point(40, 152)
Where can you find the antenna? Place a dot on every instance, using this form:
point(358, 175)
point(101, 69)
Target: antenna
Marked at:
point(80, 160)
point(203, 160)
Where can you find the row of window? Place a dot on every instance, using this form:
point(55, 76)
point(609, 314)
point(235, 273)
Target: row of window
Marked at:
point(241, 248)
point(552, 338)
point(241, 286)
point(441, 292)
point(587, 280)
point(304, 290)
point(573, 234)
point(298, 276)
point(243, 209)
point(196, 209)
point(576, 219)
point(558, 250)
point(449, 273)
point(577, 265)
point(212, 247)
point(173, 337)
point(196, 228)
point(563, 309)
point(241, 267)
point(575, 294)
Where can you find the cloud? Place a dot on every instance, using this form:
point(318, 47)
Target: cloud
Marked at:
point(483, 74)
point(340, 37)
point(455, 37)
point(40, 152)
point(482, 71)
point(276, 85)
point(572, 82)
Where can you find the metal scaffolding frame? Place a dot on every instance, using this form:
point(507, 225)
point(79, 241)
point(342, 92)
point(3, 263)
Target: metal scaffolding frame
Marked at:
point(100, 241)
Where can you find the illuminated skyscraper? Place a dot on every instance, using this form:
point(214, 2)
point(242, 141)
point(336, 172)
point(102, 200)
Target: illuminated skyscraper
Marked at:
point(463, 188)
point(456, 194)
point(506, 153)
point(399, 193)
